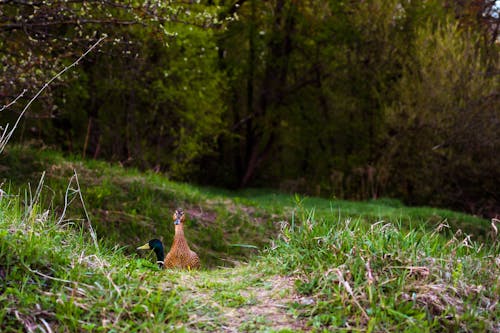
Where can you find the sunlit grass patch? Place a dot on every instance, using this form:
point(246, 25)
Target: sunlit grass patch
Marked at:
point(385, 277)
point(54, 277)
point(271, 261)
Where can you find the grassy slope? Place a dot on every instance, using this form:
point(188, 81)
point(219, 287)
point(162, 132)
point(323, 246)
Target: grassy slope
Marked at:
point(327, 268)
point(129, 208)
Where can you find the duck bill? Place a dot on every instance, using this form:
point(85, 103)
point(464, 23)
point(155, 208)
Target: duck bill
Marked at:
point(177, 221)
point(144, 247)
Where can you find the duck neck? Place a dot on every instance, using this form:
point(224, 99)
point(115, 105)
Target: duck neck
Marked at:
point(179, 239)
point(160, 256)
point(179, 231)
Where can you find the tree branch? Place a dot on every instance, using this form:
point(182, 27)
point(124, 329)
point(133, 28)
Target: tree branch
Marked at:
point(4, 139)
point(14, 101)
point(14, 26)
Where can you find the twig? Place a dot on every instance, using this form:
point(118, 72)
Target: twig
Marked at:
point(369, 273)
point(54, 278)
point(422, 270)
point(6, 137)
point(92, 232)
point(14, 101)
point(47, 326)
point(493, 225)
point(67, 202)
point(350, 291)
point(113, 284)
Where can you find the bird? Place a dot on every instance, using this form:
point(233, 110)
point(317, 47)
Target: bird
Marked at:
point(157, 246)
point(180, 255)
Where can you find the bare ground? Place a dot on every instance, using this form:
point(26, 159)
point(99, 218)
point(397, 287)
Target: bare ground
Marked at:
point(262, 305)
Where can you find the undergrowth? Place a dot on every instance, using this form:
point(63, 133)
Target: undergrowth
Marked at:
point(128, 207)
point(55, 279)
point(380, 277)
point(67, 259)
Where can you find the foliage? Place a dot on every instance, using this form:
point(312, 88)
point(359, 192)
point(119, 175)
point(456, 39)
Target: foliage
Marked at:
point(382, 278)
point(42, 35)
point(313, 86)
point(164, 119)
point(307, 96)
point(308, 88)
point(445, 131)
point(150, 92)
point(328, 269)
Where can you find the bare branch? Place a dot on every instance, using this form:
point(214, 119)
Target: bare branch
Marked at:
point(13, 26)
point(92, 232)
point(7, 135)
point(14, 101)
point(68, 201)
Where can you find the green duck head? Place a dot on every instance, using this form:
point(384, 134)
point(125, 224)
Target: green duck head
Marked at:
point(157, 246)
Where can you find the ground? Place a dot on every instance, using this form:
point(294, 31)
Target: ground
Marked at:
point(240, 299)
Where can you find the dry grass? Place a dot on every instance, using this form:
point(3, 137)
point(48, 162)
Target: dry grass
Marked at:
point(238, 299)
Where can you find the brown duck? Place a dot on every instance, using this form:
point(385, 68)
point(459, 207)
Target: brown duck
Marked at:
point(180, 255)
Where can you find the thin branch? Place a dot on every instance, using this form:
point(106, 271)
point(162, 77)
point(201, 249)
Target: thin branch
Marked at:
point(14, 101)
point(6, 137)
point(14, 26)
point(66, 203)
point(348, 288)
point(369, 273)
point(47, 326)
point(54, 278)
point(92, 232)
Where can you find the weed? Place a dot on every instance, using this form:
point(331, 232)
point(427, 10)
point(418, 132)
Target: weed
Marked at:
point(298, 264)
point(384, 277)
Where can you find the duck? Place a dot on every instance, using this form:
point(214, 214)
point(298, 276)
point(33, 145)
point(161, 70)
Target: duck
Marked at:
point(180, 255)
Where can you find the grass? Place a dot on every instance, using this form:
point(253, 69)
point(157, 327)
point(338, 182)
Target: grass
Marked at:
point(321, 265)
point(129, 208)
point(372, 211)
point(54, 279)
point(381, 277)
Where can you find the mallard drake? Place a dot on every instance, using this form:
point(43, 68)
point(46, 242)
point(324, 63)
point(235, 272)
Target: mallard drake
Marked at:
point(180, 255)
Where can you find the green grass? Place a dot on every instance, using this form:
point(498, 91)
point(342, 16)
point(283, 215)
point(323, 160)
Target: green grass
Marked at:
point(372, 211)
point(320, 265)
point(382, 277)
point(53, 276)
point(129, 208)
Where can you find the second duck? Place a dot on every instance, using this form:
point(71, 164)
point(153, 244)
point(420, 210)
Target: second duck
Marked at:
point(180, 255)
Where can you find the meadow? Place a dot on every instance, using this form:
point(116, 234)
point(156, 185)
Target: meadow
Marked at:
point(272, 262)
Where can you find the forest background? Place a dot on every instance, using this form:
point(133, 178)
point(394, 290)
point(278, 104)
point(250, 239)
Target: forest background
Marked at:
point(344, 99)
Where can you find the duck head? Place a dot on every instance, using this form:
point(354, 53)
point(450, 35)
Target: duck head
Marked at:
point(157, 246)
point(178, 216)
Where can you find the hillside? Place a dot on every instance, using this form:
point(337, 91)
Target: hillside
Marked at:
point(272, 262)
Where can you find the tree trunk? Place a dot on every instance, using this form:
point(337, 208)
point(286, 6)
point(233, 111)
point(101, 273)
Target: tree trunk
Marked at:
point(271, 93)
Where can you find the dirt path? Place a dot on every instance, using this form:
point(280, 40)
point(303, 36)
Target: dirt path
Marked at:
point(240, 300)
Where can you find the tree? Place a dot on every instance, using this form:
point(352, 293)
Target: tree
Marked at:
point(444, 138)
point(38, 36)
point(309, 85)
point(149, 98)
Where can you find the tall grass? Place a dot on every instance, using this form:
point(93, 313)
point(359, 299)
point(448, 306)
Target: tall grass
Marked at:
point(382, 277)
point(355, 266)
point(55, 279)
